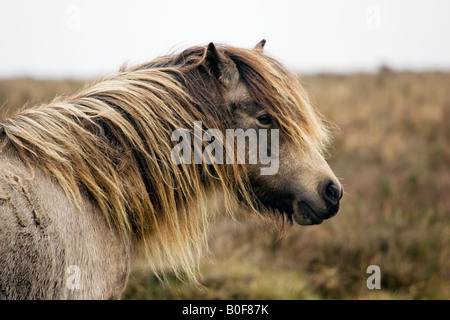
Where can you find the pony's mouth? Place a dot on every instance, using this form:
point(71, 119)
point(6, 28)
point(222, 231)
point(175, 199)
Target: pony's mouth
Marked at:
point(304, 215)
point(289, 206)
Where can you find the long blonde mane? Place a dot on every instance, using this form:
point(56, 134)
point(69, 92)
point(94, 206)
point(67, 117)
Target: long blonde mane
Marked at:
point(112, 140)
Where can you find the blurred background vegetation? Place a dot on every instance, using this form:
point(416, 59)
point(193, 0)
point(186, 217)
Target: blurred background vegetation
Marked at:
point(392, 154)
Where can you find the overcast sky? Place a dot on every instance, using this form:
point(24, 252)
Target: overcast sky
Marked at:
point(86, 39)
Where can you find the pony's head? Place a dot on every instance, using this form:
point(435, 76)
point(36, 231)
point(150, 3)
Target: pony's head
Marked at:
point(260, 94)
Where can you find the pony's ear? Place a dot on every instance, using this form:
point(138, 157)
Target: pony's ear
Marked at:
point(260, 45)
point(221, 66)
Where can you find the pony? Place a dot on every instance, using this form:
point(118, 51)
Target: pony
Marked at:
point(88, 184)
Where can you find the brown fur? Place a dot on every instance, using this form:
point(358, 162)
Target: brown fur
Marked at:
point(88, 180)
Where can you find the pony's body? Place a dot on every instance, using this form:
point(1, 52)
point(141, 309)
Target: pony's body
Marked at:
point(49, 248)
point(87, 183)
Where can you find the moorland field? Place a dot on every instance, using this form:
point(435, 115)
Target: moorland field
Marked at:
point(391, 151)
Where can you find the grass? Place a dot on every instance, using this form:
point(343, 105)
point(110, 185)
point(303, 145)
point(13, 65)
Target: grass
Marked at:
point(392, 152)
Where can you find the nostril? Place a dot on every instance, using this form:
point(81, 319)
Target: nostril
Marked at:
point(331, 192)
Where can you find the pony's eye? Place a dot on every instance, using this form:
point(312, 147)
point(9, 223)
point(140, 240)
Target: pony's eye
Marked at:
point(265, 119)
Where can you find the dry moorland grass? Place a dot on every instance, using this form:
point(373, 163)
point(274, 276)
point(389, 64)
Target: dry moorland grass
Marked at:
point(392, 152)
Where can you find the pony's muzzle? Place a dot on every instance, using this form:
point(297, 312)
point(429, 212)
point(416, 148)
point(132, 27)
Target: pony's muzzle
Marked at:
point(309, 214)
point(331, 194)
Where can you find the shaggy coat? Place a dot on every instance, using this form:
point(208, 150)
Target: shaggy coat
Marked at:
point(87, 183)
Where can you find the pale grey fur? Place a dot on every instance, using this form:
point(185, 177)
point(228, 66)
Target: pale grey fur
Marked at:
point(42, 234)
